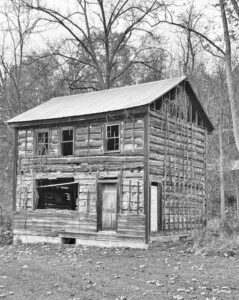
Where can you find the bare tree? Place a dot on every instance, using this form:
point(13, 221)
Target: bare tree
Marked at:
point(98, 33)
point(189, 45)
point(230, 80)
point(16, 29)
point(226, 55)
point(217, 51)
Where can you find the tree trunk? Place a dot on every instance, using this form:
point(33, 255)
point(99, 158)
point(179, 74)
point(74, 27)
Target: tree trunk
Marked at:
point(233, 101)
point(237, 197)
point(237, 205)
point(228, 64)
point(222, 183)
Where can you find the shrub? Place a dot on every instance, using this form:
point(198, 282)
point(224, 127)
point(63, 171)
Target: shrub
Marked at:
point(5, 228)
point(218, 237)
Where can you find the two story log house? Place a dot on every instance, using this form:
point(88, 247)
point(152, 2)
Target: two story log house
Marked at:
point(113, 167)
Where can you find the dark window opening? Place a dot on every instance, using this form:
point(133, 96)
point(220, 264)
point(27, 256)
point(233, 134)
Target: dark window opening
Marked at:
point(57, 194)
point(173, 109)
point(173, 93)
point(194, 116)
point(200, 121)
point(112, 138)
point(42, 143)
point(156, 105)
point(189, 113)
point(67, 142)
point(68, 241)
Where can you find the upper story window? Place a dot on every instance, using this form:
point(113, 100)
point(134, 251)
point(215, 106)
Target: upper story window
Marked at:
point(67, 142)
point(112, 137)
point(42, 143)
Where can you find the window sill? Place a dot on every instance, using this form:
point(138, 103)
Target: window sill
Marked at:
point(113, 151)
point(55, 211)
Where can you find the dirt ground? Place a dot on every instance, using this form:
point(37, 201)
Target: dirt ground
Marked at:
point(165, 271)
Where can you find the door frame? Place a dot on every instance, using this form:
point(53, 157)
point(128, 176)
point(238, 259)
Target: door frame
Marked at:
point(159, 208)
point(99, 201)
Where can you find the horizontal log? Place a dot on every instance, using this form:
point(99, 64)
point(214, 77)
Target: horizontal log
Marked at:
point(133, 134)
point(172, 138)
point(137, 125)
point(95, 130)
point(160, 118)
point(156, 171)
point(81, 130)
point(127, 232)
point(40, 224)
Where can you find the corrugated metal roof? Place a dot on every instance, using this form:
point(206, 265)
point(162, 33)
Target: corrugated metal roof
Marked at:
point(98, 102)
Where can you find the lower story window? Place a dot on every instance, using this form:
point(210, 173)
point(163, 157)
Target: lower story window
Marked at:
point(56, 194)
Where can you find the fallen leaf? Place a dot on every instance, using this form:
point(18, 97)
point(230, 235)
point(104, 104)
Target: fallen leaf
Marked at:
point(49, 293)
point(25, 267)
point(181, 290)
point(178, 297)
point(142, 266)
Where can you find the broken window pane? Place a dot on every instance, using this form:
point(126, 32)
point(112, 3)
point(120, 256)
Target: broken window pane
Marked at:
point(42, 144)
point(57, 194)
point(112, 138)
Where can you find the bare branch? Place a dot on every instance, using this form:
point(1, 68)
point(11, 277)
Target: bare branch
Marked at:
point(196, 33)
point(236, 7)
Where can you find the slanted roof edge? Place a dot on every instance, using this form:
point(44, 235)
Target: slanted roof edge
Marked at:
point(72, 119)
point(210, 126)
point(54, 120)
point(175, 81)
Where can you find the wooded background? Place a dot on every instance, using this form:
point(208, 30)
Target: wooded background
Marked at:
point(82, 46)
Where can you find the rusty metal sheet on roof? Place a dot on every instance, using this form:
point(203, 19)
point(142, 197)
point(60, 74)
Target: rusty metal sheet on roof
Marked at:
point(99, 102)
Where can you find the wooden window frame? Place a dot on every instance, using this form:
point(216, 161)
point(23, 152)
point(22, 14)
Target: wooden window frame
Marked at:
point(36, 141)
point(105, 138)
point(73, 140)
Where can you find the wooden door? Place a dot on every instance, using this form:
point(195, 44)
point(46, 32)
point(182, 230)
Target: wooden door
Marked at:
point(154, 209)
point(109, 206)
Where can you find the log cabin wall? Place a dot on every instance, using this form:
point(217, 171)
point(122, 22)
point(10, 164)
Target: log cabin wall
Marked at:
point(89, 164)
point(177, 160)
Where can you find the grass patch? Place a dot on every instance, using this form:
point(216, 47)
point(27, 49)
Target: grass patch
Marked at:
point(218, 237)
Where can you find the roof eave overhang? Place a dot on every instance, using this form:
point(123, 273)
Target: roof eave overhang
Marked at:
point(139, 110)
